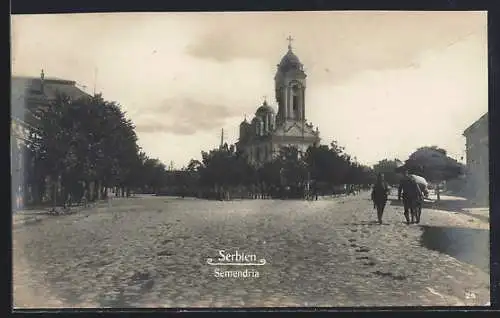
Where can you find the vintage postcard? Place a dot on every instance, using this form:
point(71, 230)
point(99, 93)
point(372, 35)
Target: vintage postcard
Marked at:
point(260, 159)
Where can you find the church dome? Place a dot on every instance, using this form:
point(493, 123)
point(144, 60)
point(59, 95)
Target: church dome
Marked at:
point(264, 109)
point(290, 59)
point(244, 123)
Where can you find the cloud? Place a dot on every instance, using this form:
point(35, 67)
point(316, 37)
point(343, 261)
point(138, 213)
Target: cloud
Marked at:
point(184, 116)
point(344, 43)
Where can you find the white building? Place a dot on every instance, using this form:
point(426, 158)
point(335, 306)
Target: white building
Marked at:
point(269, 131)
point(476, 136)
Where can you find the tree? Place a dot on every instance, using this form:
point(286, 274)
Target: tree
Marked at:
point(228, 167)
point(84, 145)
point(194, 165)
point(333, 166)
point(388, 168)
point(433, 164)
point(224, 167)
point(293, 168)
point(319, 163)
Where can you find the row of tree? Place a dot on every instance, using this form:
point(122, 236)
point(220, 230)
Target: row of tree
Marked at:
point(81, 148)
point(229, 168)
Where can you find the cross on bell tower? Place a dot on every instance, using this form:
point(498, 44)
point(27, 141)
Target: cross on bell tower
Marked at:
point(290, 86)
point(289, 39)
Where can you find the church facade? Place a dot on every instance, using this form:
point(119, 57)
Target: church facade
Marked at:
point(261, 138)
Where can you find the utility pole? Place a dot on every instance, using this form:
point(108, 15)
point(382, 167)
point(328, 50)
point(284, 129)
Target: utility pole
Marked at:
point(222, 138)
point(95, 79)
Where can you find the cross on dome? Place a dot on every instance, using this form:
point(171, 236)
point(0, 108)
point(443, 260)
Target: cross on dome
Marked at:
point(289, 39)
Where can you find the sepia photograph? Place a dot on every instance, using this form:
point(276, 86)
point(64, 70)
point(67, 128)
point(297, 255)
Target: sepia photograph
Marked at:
point(250, 159)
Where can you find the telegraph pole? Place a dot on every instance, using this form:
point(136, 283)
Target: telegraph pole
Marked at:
point(222, 138)
point(95, 79)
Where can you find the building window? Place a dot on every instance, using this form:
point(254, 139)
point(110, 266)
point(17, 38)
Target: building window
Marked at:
point(295, 97)
point(295, 102)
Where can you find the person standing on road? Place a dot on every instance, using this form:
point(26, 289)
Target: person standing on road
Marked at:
point(379, 195)
point(412, 197)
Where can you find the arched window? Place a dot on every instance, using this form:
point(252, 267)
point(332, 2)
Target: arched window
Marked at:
point(295, 97)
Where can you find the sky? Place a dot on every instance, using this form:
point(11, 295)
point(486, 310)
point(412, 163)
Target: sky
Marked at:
point(381, 84)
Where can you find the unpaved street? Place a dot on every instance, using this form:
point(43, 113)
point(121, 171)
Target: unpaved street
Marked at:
point(153, 251)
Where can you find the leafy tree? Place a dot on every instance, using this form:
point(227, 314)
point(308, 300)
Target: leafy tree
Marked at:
point(330, 164)
point(327, 165)
point(84, 144)
point(433, 164)
point(224, 167)
point(293, 168)
point(388, 168)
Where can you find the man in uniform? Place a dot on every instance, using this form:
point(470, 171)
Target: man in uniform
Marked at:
point(412, 198)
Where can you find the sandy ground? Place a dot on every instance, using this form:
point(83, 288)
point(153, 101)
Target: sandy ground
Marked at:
point(152, 252)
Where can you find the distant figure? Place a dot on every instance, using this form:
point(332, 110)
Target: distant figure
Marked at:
point(380, 193)
point(314, 191)
point(85, 198)
point(412, 198)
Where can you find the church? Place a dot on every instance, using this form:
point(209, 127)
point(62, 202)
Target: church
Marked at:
point(261, 139)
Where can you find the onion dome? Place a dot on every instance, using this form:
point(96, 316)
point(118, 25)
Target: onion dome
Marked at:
point(264, 109)
point(290, 60)
point(244, 122)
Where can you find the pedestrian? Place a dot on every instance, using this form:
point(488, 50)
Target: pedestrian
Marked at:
point(418, 204)
point(315, 191)
point(379, 196)
point(412, 198)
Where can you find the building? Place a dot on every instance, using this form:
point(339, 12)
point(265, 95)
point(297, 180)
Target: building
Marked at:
point(477, 160)
point(261, 139)
point(30, 96)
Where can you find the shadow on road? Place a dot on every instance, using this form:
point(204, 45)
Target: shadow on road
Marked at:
point(363, 223)
point(465, 244)
point(458, 205)
point(448, 204)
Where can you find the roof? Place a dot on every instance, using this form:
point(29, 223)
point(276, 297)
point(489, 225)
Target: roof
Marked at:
point(245, 123)
point(265, 108)
point(24, 85)
point(483, 120)
point(290, 59)
point(25, 89)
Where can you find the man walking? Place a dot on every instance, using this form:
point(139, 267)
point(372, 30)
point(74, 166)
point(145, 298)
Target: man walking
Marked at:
point(379, 196)
point(412, 198)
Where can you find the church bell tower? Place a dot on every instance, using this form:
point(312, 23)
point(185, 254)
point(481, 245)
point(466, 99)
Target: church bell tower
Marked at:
point(290, 88)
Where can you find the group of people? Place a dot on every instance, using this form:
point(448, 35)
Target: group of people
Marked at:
point(409, 190)
point(310, 190)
